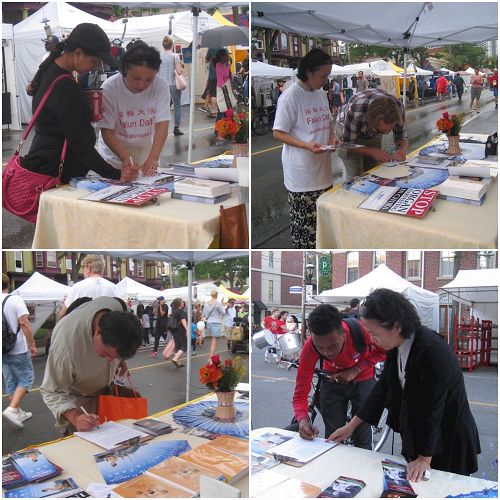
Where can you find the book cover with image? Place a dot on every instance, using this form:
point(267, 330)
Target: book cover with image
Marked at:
point(343, 487)
point(44, 489)
point(34, 466)
point(148, 486)
point(152, 426)
point(396, 484)
point(117, 466)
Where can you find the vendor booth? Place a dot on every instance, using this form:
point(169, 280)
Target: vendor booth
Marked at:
point(43, 297)
point(137, 292)
point(426, 302)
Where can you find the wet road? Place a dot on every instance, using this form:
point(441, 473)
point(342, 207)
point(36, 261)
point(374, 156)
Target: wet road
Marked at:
point(270, 220)
point(17, 233)
point(158, 380)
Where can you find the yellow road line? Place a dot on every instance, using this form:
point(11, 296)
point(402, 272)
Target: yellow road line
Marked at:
point(480, 403)
point(266, 150)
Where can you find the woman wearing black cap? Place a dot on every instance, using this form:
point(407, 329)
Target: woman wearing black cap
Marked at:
point(136, 111)
point(66, 115)
point(423, 388)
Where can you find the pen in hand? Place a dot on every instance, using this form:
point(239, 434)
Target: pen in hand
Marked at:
point(86, 413)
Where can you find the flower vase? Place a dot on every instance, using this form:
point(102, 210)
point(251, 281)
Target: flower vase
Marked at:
point(239, 149)
point(453, 145)
point(225, 412)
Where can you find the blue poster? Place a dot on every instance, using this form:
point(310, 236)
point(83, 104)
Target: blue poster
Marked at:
point(187, 56)
point(117, 466)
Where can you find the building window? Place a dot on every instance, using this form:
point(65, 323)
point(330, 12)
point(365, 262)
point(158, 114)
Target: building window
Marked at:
point(271, 259)
point(52, 259)
point(140, 268)
point(284, 41)
point(18, 256)
point(296, 46)
point(446, 261)
point(413, 264)
point(270, 291)
point(378, 258)
point(487, 260)
point(39, 259)
point(131, 267)
point(69, 263)
point(352, 266)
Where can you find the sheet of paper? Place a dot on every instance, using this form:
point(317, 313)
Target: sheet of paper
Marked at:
point(110, 434)
point(217, 174)
point(430, 162)
point(302, 450)
point(469, 171)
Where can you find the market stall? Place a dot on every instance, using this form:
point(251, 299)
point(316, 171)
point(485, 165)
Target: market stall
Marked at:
point(426, 302)
point(131, 289)
point(10, 100)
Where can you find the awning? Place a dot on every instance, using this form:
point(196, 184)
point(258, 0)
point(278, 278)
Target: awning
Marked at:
point(474, 286)
point(259, 305)
point(231, 295)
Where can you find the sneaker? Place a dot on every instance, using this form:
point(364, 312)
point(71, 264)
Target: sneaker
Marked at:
point(203, 109)
point(24, 415)
point(153, 355)
point(177, 131)
point(14, 417)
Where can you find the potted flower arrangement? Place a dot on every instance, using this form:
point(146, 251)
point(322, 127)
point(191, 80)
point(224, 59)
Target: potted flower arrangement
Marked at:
point(222, 377)
point(235, 125)
point(451, 126)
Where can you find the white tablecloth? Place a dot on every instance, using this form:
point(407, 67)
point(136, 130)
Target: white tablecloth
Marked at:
point(65, 221)
point(366, 465)
point(341, 224)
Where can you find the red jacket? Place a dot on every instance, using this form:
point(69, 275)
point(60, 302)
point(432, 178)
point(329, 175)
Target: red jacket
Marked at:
point(347, 358)
point(274, 325)
point(441, 85)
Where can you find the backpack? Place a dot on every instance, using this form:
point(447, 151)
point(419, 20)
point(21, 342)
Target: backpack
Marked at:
point(9, 338)
point(491, 145)
point(171, 323)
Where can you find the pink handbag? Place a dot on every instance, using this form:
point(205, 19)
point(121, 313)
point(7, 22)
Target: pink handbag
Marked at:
point(21, 188)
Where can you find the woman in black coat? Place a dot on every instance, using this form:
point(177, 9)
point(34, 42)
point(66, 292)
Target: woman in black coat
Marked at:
point(422, 387)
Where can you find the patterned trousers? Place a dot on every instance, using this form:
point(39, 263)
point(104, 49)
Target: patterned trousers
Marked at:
point(303, 217)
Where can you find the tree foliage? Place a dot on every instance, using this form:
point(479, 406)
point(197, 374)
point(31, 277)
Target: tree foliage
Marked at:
point(465, 54)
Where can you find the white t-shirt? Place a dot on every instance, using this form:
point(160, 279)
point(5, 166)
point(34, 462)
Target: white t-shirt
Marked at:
point(13, 310)
point(132, 116)
point(91, 287)
point(230, 315)
point(306, 116)
point(169, 61)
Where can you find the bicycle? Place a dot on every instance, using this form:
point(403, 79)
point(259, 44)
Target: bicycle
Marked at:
point(380, 432)
point(262, 120)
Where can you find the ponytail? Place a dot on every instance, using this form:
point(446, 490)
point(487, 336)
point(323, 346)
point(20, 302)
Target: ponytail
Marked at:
point(53, 55)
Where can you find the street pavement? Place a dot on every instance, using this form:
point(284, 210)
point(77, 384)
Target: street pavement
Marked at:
point(17, 233)
point(156, 379)
point(270, 218)
point(272, 391)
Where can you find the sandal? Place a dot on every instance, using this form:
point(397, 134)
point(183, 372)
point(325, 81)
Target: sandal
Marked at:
point(176, 363)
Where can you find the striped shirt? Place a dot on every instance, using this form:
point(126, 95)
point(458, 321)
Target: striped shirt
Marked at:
point(352, 117)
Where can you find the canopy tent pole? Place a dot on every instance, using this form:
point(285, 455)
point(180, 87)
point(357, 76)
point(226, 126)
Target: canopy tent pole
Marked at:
point(190, 266)
point(196, 12)
point(405, 62)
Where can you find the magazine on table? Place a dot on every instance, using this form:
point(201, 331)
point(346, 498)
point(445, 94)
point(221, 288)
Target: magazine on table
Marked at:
point(259, 463)
point(400, 201)
point(396, 484)
point(122, 464)
point(133, 195)
point(152, 426)
point(45, 489)
point(261, 444)
point(23, 467)
point(343, 487)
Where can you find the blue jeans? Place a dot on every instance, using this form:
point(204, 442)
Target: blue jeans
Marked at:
point(17, 371)
point(176, 97)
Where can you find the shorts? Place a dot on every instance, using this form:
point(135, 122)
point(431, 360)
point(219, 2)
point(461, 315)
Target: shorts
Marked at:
point(214, 330)
point(212, 88)
point(475, 93)
point(495, 92)
point(17, 372)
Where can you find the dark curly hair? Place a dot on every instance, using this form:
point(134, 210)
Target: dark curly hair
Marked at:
point(324, 319)
point(121, 330)
point(140, 53)
point(313, 60)
point(389, 307)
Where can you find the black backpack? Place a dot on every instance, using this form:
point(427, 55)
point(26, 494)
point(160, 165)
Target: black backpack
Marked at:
point(9, 338)
point(491, 145)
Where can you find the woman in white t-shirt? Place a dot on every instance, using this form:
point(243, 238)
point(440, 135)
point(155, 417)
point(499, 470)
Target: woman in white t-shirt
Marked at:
point(303, 123)
point(136, 111)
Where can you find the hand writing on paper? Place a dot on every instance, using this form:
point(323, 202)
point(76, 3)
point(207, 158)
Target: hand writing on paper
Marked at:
point(86, 423)
point(307, 430)
point(380, 155)
point(129, 172)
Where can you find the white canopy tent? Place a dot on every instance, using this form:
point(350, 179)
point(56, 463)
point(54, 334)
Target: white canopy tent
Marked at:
point(9, 73)
point(426, 302)
point(375, 68)
point(44, 294)
point(413, 70)
point(478, 289)
point(202, 292)
point(259, 69)
point(190, 258)
point(400, 25)
point(131, 289)
point(30, 50)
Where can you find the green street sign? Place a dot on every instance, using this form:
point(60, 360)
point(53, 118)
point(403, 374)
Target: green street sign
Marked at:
point(325, 267)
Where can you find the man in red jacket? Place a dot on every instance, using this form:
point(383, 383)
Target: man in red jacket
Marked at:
point(351, 379)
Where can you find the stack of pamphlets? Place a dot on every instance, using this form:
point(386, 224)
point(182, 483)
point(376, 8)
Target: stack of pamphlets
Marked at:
point(154, 427)
point(201, 190)
point(58, 488)
point(471, 190)
point(24, 467)
point(396, 484)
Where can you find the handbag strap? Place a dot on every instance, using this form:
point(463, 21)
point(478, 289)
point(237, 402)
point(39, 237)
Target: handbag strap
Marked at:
point(38, 111)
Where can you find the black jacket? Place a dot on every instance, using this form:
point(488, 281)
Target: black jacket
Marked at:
point(432, 413)
point(65, 115)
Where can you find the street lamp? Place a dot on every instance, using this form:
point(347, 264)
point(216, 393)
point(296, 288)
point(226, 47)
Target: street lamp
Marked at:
point(306, 291)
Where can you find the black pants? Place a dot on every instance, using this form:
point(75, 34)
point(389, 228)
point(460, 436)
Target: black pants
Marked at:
point(180, 339)
point(146, 336)
point(158, 333)
point(333, 406)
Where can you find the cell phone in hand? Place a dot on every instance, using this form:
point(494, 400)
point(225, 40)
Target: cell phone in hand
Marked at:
point(329, 147)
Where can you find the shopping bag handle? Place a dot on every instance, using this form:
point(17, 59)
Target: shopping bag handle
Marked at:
point(131, 386)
